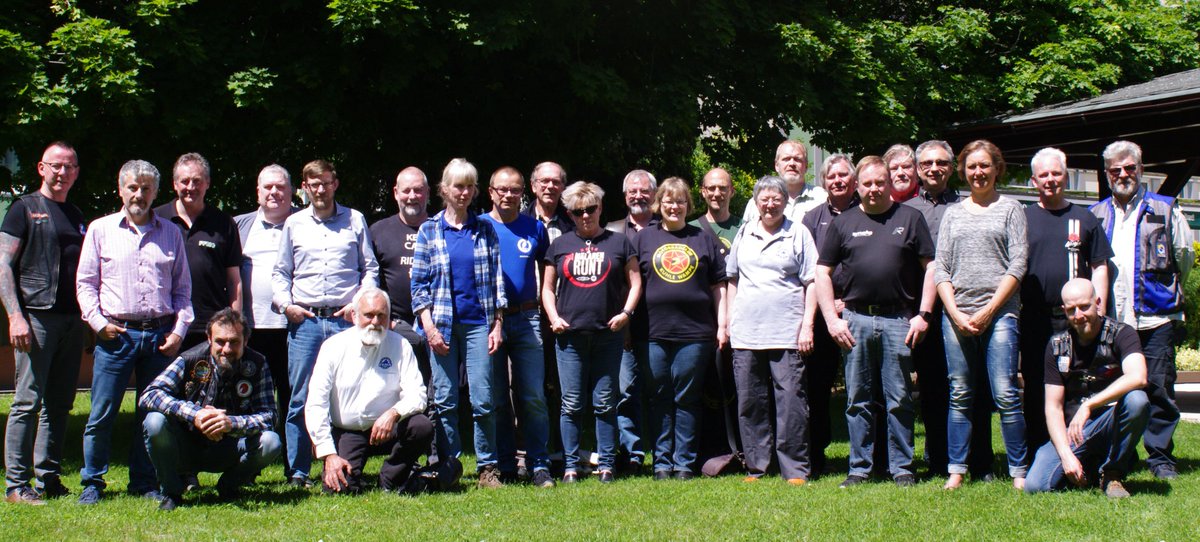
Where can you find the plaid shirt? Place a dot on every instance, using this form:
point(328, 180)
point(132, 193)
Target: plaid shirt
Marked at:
point(164, 395)
point(431, 272)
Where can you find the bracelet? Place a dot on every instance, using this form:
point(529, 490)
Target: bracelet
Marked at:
point(627, 312)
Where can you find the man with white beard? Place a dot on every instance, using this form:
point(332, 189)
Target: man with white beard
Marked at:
point(366, 397)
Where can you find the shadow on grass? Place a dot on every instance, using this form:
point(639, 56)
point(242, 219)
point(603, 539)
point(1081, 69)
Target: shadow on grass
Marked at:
point(1153, 487)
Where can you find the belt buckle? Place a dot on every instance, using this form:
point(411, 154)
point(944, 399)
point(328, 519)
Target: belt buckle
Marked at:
point(874, 310)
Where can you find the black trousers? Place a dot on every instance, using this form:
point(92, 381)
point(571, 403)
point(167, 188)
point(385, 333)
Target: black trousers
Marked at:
point(413, 436)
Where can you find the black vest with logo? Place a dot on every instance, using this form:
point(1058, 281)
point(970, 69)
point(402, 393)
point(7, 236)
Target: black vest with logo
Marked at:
point(1085, 381)
point(232, 389)
point(39, 260)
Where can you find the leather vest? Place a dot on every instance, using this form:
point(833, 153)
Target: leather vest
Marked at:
point(233, 389)
point(38, 265)
point(1083, 382)
point(1157, 286)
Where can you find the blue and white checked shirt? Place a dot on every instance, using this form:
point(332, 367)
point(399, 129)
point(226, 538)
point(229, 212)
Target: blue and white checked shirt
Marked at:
point(165, 394)
point(431, 272)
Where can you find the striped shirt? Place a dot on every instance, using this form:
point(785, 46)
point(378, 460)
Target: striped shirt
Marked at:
point(323, 263)
point(431, 272)
point(130, 275)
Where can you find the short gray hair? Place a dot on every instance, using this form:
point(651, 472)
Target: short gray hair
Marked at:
point(276, 169)
point(938, 144)
point(770, 182)
point(1048, 152)
point(137, 169)
point(639, 173)
point(192, 158)
point(1121, 149)
point(369, 292)
point(899, 151)
point(835, 158)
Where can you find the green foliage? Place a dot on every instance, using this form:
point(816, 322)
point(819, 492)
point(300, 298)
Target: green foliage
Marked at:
point(249, 86)
point(1191, 302)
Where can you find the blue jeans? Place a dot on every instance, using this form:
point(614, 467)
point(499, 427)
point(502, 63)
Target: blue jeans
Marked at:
point(879, 349)
point(635, 369)
point(522, 347)
point(994, 351)
point(134, 351)
point(469, 346)
point(175, 447)
point(304, 342)
point(589, 363)
point(1109, 445)
point(1158, 345)
point(678, 372)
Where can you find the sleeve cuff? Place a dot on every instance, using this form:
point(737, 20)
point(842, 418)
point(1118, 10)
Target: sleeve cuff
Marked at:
point(325, 449)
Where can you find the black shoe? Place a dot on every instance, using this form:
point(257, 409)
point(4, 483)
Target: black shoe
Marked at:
point(986, 477)
point(53, 488)
point(301, 482)
point(606, 477)
point(170, 502)
point(634, 466)
point(660, 475)
point(906, 480)
point(91, 495)
point(852, 480)
point(190, 482)
point(1164, 472)
point(570, 478)
point(684, 475)
point(153, 494)
point(541, 478)
point(227, 491)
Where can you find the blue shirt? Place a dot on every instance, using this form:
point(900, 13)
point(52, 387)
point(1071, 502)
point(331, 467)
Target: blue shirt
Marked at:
point(323, 263)
point(462, 274)
point(523, 244)
point(431, 273)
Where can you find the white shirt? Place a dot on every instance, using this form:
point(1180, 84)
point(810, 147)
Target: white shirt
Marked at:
point(353, 385)
point(808, 199)
point(771, 271)
point(262, 248)
point(1124, 245)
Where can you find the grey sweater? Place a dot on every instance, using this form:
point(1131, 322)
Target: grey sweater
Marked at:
point(974, 251)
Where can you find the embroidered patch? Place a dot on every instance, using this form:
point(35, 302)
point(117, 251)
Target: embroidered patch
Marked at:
point(385, 363)
point(248, 368)
point(202, 372)
point(244, 387)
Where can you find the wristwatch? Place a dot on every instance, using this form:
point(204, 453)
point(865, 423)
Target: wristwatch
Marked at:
point(926, 316)
point(627, 312)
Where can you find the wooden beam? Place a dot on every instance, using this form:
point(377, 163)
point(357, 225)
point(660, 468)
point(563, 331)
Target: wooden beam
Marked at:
point(1178, 177)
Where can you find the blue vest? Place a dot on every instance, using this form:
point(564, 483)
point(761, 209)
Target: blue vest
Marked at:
point(1157, 285)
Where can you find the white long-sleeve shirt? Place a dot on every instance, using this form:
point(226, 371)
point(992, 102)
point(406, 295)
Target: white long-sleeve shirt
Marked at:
point(352, 385)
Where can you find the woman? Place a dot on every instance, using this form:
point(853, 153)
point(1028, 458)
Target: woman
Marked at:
point(771, 263)
point(684, 275)
point(590, 289)
point(981, 258)
point(458, 294)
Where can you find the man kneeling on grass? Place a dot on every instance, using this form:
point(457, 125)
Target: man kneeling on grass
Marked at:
point(212, 410)
point(366, 396)
point(1095, 407)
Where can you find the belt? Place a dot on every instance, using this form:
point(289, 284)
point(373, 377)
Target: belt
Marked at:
point(321, 312)
point(144, 325)
point(880, 310)
point(526, 306)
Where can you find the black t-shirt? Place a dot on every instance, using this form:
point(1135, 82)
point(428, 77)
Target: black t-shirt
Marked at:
point(69, 228)
point(679, 269)
point(881, 253)
point(213, 245)
point(591, 285)
point(1127, 343)
point(817, 220)
point(1051, 263)
point(393, 242)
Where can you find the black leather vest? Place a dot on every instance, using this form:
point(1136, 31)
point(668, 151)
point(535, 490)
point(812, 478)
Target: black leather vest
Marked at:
point(233, 389)
point(1085, 381)
point(39, 260)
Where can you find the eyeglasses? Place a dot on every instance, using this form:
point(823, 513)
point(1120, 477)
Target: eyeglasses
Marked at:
point(589, 210)
point(61, 166)
point(510, 190)
point(926, 164)
point(548, 180)
point(1116, 171)
point(715, 188)
point(317, 186)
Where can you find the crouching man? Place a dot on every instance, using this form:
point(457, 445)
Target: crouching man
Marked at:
point(212, 410)
point(366, 396)
point(1095, 407)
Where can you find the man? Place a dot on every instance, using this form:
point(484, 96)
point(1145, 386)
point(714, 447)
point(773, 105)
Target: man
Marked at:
point(214, 248)
point(548, 180)
point(1095, 407)
point(135, 292)
point(393, 239)
point(638, 187)
point(791, 163)
point(260, 232)
point(884, 249)
point(822, 355)
point(40, 241)
point(1152, 247)
point(324, 258)
point(902, 168)
point(1065, 242)
point(366, 398)
point(935, 165)
point(523, 243)
point(717, 190)
point(211, 410)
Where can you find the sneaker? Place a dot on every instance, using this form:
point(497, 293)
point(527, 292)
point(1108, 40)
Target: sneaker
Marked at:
point(1165, 472)
point(906, 480)
point(542, 478)
point(660, 475)
point(852, 480)
point(153, 494)
point(489, 478)
point(170, 502)
point(53, 488)
point(24, 495)
point(190, 482)
point(570, 477)
point(606, 477)
point(797, 481)
point(301, 482)
point(90, 495)
point(1114, 489)
point(684, 475)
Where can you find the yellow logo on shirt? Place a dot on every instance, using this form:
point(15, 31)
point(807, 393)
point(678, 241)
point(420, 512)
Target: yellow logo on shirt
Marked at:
point(675, 262)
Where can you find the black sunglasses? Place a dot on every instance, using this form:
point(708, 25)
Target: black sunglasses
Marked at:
point(591, 210)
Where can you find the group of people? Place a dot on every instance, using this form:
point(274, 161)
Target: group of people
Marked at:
point(354, 340)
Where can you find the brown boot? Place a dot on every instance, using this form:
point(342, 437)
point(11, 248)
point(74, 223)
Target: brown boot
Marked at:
point(489, 478)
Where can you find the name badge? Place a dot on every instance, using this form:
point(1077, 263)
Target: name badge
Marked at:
point(1064, 364)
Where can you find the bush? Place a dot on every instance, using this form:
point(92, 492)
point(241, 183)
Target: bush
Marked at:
point(1191, 301)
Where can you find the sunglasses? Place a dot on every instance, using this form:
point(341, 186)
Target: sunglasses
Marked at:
point(589, 210)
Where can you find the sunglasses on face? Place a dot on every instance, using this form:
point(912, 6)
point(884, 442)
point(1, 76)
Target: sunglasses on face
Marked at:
point(589, 210)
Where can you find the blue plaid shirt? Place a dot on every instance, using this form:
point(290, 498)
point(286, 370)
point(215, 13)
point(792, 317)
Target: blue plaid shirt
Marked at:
point(165, 395)
point(431, 272)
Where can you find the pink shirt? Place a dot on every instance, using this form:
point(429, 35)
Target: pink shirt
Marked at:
point(130, 275)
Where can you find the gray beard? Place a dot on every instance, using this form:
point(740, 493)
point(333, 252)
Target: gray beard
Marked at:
point(371, 336)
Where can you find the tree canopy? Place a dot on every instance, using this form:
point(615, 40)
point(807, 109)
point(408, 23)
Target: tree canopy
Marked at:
point(601, 87)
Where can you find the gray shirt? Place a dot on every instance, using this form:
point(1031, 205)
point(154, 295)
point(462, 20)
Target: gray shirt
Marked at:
point(974, 251)
point(323, 263)
point(934, 208)
point(771, 272)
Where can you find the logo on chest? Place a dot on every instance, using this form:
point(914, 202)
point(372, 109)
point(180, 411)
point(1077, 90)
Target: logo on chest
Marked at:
point(385, 363)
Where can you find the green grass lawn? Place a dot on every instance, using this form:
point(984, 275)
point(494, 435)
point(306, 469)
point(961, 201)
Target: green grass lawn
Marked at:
point(632, 508)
